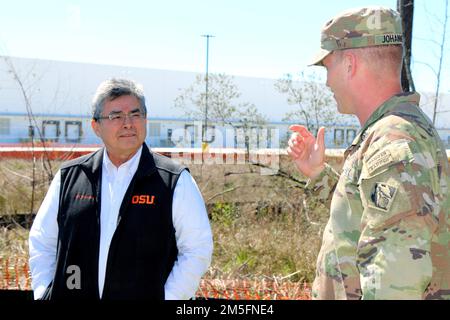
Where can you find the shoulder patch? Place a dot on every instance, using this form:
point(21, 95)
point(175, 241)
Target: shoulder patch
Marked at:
point(379, 160)
point(383, 196)
point(384, 153)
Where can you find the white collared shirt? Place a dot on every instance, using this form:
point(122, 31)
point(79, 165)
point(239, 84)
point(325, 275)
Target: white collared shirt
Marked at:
point(115, 182)
point(192, 230)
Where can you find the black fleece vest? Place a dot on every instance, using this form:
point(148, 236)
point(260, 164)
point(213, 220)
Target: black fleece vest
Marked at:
point(143, 248)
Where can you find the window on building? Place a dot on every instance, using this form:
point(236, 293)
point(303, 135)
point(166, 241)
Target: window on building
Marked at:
point(338, 137)
point(351, 134)
point(209, 134)
point(51, 130)
point(154, 129)
point(31, 131)
point(5, 126)
point(190, 133)
point(168, 142)
point(73, 131)
point(265, 137)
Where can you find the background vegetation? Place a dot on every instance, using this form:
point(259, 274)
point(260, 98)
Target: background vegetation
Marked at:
point(264, 227)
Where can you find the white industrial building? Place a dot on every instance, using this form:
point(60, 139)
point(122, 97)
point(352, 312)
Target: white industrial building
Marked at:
point(60, 93)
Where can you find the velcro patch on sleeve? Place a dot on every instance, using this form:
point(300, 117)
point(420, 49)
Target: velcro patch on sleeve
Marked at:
point(382, 196)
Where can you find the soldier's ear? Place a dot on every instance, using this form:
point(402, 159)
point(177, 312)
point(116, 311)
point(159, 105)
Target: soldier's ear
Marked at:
point(350, 62)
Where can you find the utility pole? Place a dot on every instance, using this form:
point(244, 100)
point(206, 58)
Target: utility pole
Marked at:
point(204, 140)
point(406, 10)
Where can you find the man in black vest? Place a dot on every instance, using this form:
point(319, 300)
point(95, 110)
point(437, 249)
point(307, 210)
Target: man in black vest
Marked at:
point(122, 222)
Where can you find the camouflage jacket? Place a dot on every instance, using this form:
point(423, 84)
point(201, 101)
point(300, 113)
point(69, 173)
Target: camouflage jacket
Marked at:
point(388, 232)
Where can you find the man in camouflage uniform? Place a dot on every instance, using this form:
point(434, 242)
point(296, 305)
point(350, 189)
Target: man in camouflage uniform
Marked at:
point(388, 233)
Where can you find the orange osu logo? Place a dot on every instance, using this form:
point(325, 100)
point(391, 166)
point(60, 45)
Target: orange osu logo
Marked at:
point(143, 199)
point(80, 196)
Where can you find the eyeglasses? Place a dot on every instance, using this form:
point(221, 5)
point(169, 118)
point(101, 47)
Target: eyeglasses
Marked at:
point(119, 117)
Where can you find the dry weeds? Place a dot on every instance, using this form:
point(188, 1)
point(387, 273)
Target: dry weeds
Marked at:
point(266, 233)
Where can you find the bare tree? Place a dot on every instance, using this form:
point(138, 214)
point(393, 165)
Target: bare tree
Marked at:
point(316, 106)
point(441, 45)
point(441, 58)
point(26, 83)
point(223, 104)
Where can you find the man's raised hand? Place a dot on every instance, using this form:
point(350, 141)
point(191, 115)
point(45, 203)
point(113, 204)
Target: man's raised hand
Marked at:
point(307, 152)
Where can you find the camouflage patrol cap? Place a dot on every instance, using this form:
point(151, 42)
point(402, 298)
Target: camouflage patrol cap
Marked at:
point(357, 28)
